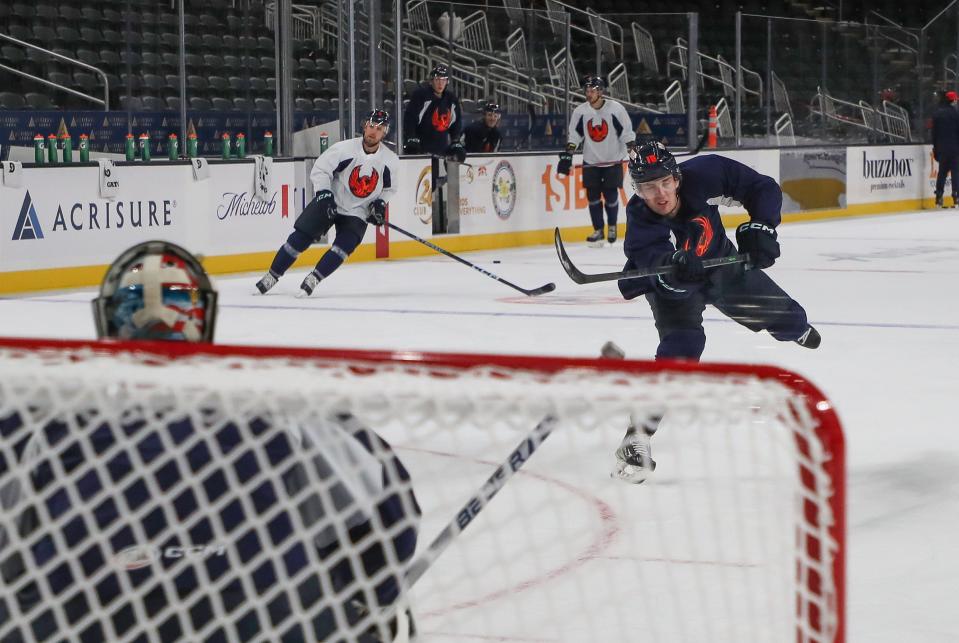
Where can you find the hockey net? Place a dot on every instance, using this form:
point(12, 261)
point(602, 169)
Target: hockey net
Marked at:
point(163, 491)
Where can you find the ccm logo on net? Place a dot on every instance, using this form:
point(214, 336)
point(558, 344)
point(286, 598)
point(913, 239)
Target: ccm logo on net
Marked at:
point(139, 556)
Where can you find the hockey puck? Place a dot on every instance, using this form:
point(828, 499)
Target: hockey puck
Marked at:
point(495, 260)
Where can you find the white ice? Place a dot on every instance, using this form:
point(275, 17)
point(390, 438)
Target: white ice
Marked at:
point(881, 290)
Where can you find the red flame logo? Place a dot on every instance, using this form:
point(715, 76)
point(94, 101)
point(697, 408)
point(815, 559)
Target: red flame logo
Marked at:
point(597, 132)
point(705, 237)
point(363, 186)
point(442, 120)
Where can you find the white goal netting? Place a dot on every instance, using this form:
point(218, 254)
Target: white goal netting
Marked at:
point(156, 493)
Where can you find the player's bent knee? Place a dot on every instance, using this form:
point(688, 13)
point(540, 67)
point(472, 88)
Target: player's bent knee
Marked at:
point(299, 240)
point(682, 344)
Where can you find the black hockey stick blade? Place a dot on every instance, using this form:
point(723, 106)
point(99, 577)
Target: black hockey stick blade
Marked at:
point(699, 146)
point(581, 277)
point(476, 503)
point(550, 287)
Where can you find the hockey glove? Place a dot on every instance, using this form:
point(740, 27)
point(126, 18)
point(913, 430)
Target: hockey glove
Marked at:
point(377, 215)
point(687, 266)
point(412, 146)
point(456, 152)
point(759, 240)
point(326, 203)
point(565, 164)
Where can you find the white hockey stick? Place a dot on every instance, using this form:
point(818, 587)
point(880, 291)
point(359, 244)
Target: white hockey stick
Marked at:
point(477, 502)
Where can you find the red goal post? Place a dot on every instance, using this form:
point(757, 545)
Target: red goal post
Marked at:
point(705, 534)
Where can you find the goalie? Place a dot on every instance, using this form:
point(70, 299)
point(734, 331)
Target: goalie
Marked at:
point(250, 523)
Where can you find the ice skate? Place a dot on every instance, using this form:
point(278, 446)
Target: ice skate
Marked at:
point(595, 240)
point(309, 284)
point(266, 283)
point(634, 461)
point(939, 202)
point(810, 338)
point(611, 234)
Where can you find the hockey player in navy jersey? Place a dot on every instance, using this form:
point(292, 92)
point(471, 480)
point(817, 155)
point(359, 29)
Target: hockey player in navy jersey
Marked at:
point(353, 180)
point(673, 219)
point(232, 503)
point(433, 121)
point(606, 132)
point(483, 135)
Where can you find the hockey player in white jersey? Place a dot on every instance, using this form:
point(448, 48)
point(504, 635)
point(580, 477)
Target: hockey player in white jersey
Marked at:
point(353, 181)
point(606, 132)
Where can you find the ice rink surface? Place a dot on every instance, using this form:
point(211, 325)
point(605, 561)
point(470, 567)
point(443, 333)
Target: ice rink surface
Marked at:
point(881, 290)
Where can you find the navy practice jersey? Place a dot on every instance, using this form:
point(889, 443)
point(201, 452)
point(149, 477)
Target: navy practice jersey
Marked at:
point(208, 524)
point(435, 120)
point(480, 138)
point(697, 226)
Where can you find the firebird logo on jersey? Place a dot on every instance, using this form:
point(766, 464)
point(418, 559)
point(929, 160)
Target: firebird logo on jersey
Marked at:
point(363, 186)
point(597, 132)
point(705, 237)
point(442, 119)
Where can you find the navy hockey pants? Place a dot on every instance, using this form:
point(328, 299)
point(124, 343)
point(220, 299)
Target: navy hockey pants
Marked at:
point(750, 297)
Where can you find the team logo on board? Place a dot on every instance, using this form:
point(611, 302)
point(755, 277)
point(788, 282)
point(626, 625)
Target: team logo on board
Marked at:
point(597, 132)
point(363, 186)
point(28, 224)
point(504, 189)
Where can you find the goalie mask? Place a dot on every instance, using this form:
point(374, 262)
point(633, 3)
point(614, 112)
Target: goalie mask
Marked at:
point(156, 290)
point(651, 161)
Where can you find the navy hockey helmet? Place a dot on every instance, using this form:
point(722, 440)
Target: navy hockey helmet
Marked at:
point(491, 107)
point(156, 290)
point(440, 71)
point(378, 117)
point(651, 161)
point(594, 82)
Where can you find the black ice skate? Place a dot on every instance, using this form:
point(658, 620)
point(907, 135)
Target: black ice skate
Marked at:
point(634, 461)
point(611, 234)
point(595, 240)
point(309, 284)
point(939, 202)
point(955, 200)
point(810, 338)
point(263, 285)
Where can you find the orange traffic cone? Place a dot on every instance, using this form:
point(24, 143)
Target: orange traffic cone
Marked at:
point(713, 139)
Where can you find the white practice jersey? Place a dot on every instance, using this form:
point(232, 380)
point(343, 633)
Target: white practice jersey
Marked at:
point(603, 132)
point(355, 177)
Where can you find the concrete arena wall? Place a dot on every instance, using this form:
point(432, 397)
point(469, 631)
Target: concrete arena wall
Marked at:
point(57, 231)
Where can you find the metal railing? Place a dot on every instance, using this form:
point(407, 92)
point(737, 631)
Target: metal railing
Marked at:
point(106, 81)
point(645, 48)
point(784, 130)
point(673, 96)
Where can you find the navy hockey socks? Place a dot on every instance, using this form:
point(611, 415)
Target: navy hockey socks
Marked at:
point(596, 214)
point(287, 254)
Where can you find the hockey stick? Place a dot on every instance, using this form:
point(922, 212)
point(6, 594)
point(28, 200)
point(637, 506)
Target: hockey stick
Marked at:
point(550, 287)
point(478, 501)
point(699, 146)
point(581, 277)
